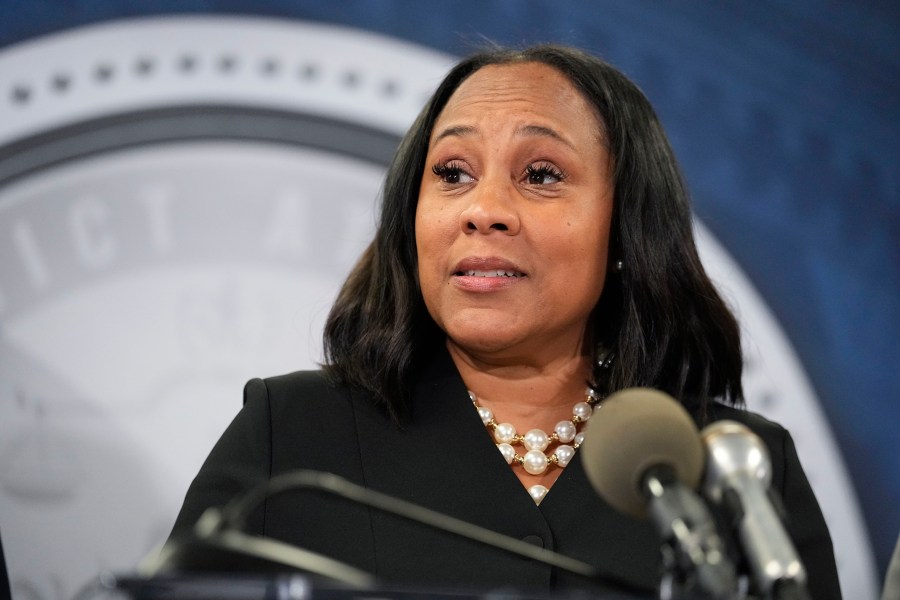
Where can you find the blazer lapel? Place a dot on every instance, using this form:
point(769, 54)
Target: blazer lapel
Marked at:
point(442, 458)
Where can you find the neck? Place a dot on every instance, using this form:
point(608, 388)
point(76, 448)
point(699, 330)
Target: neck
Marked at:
point(525, 393)
point(533, 399)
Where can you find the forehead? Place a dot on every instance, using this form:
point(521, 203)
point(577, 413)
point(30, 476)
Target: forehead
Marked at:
point(529, 89)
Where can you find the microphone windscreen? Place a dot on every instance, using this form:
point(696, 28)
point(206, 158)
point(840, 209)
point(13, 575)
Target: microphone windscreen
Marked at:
point(633, 430)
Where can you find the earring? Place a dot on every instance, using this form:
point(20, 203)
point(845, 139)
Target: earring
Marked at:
point(604, 357)
point(618, 266)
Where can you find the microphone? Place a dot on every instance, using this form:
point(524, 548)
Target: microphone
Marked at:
point(738, 475)
point(642, 454)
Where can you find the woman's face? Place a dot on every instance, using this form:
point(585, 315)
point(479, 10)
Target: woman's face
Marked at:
point(514, 211)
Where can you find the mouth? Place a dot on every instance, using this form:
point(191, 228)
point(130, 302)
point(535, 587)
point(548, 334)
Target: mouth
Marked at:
point(491, 267)
point(494, 273)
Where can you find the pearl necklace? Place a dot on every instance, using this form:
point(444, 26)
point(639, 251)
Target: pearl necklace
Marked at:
point(536, 441)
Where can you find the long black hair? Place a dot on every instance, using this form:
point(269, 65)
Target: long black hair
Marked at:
point(660, 315)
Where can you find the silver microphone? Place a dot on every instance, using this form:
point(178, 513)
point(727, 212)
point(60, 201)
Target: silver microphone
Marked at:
point(738, 476)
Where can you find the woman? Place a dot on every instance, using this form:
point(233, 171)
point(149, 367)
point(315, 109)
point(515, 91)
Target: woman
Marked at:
point(534, 253)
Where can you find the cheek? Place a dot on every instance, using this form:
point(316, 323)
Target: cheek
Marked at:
point(431, 255)
point(432, 228)
point(584, 246)
point(431, 245)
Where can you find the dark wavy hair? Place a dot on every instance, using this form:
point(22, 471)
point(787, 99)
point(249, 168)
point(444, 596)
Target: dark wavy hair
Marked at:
point(661, 315)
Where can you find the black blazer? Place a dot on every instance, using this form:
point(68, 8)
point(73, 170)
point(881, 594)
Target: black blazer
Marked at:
point(441, 457)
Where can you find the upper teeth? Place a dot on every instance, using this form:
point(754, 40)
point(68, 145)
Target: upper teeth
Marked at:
point(492, 274)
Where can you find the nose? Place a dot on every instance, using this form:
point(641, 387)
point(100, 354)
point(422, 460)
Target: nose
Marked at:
point(491, 208)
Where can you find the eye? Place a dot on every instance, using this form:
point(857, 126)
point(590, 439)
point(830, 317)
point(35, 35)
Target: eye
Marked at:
point(543, 174)
point(451, 172)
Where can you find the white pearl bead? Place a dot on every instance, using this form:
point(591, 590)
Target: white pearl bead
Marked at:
point(508, 452)
point(566, 431)
point(579, 439)
point(536, 439)
point(535, 462)
point(564, 454)
point(537, 493)
point(485, 414)
point(505, 433)
point(472, 397)
point(582, 410)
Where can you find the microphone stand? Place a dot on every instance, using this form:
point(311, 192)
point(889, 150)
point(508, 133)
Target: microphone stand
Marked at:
point(234, 515)
point(694, 555)
point(228, 523)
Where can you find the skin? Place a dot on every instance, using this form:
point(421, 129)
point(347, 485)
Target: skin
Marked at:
point(517, 179)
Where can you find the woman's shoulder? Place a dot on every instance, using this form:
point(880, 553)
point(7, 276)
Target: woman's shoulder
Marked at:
point(300, 389)
point(308, 391)
point(316, 380)
point(718, 411)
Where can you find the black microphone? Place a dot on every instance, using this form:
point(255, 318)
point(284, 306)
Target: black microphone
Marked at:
point(738, 475)
point(642, 454)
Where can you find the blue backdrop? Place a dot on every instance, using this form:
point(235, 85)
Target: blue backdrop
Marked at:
point(785, 118)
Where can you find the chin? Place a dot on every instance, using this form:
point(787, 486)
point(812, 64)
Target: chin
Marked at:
point(483, 341)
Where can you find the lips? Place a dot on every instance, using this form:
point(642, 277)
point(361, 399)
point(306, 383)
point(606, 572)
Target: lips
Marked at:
point(490, 274)
point(488, 267)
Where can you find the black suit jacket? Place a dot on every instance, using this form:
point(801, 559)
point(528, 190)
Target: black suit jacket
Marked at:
point(441, 457)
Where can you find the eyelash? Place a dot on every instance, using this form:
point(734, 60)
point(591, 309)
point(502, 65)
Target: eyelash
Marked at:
point(452, 169)
point(543, 170)
point(447, 169)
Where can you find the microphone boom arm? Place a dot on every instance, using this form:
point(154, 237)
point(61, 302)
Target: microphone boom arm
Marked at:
point(235, 513)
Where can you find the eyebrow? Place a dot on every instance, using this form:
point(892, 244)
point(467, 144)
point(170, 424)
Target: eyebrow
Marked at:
point(458, 131)
point(540, 131)
point(527, 131)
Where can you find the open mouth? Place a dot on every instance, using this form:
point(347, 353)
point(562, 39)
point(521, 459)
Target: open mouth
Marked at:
point(494, 273)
